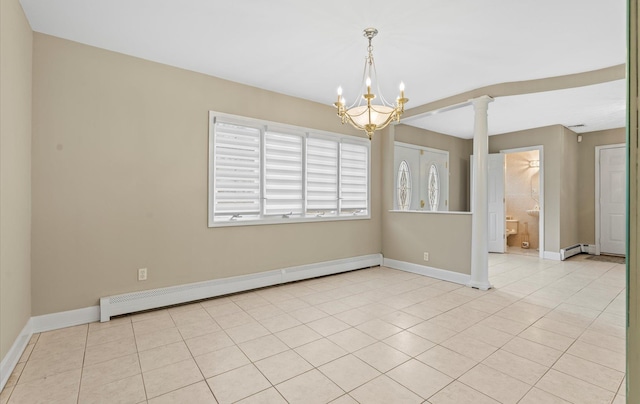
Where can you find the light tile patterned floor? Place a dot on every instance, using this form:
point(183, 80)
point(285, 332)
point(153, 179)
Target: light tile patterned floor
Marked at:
point(550, 332)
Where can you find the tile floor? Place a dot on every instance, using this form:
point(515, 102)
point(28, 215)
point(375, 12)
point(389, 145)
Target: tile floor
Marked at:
point(531, 252)
point(550, 332)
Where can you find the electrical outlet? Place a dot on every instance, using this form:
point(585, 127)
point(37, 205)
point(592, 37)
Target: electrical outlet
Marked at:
point(426, 256)
point(142, 274)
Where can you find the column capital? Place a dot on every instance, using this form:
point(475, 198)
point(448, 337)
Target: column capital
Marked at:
point(482, 101)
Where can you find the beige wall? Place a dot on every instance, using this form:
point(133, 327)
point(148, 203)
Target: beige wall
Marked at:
point(587, 172)
point(407, 236)
point(120, 179)
point(551, 138)
point(445, 236)
point(15, 172)
point(569, 202)
point(459, 152)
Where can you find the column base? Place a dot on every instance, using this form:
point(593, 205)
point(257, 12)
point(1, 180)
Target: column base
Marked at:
point(480, 285)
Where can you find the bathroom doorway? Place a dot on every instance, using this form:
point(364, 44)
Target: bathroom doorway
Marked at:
point(523, 196)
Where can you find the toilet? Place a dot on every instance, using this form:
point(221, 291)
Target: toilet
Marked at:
point(512, 226)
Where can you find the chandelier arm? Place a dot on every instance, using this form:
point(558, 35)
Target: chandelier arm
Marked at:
point(375, 73)
point(358, 99)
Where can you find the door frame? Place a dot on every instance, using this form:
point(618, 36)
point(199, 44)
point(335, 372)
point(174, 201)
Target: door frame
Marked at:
point(541, 203)
point(503, 209)
point(597, 193)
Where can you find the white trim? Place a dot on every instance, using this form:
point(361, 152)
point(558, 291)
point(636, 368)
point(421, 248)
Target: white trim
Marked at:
point(161, 297)
point(480, 285)
point(408, 117)
point(541, 203)
point(431, 212)
point(210, 173)
point(12, 357)
point(442, 274)
point(280, 220)
point(550, 255)
point(54, 321)
point(301, 272)
point(597, 190)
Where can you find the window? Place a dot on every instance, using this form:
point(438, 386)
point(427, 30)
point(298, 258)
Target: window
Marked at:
point(262, 172)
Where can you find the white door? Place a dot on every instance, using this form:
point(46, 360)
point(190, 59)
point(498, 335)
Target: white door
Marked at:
point(434, 180)
point(612, 200)
point(495, 182)
point(412, 158)
point(495, 193)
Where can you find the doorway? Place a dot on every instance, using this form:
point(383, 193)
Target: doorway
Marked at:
point(516, 185)
point(523, 202)
point(518, 198)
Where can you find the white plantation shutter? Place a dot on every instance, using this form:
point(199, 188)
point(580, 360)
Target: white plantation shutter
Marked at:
point(354, 178)
point(283, 178)
point(236, 171)
point(262, 172)
point(322, 176)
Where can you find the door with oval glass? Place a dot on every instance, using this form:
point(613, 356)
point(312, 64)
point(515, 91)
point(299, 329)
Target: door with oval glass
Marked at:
point(421, 178)
point(434, 180)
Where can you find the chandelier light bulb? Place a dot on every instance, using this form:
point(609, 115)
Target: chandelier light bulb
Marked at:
point(340, 90)
point(368, 81)
point(402, 86)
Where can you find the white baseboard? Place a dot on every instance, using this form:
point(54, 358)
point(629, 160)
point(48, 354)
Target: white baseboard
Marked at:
point(54, 321)
point(589, 249)
point(161, 297)
point(441, 274)
point(12, 357)
point(480, 285)
point(177, 294)
point(330, 267)
point(550, 255)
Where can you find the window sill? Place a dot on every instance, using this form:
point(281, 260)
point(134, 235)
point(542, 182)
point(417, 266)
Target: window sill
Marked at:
point(439, 212)
point(258, 222)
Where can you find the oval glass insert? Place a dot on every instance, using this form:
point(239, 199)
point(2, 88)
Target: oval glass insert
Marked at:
point(404, 186)
point(434, 187)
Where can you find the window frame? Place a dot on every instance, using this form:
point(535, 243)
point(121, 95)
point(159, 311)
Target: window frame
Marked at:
point(305, 133)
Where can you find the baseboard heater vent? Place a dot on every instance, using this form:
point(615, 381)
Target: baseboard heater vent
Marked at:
point(162, 297)
point(576, 249)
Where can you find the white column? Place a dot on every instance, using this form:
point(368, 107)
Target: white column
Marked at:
point(480, 214)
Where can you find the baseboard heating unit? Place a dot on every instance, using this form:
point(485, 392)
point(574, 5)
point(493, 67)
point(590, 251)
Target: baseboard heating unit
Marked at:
point(575, 250)
point(162, 297)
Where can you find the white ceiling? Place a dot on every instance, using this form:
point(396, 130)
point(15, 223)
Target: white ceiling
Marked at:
point(307, 49)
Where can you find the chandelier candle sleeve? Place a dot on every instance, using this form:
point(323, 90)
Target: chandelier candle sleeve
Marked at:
point(363, 114)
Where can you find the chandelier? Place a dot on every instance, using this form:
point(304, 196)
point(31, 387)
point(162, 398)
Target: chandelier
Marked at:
point(367, 116)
